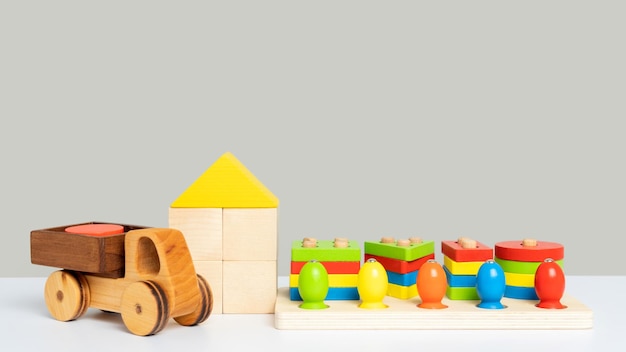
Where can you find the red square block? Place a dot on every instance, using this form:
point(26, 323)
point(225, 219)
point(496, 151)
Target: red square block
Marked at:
point(331, 267)
point(454, 251)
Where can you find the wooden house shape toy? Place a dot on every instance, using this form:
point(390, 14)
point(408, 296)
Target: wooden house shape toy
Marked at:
point(230, 221)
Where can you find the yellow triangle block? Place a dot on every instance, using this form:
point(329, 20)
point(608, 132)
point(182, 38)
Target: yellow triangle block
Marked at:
point(226, 184)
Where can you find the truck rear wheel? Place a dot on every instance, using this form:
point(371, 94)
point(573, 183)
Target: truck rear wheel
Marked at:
point(144, 309)
point(67, 295)
point(204, 308)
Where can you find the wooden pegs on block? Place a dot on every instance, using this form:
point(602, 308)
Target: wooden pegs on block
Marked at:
point(341, 242)
point(517, 251)
point(325, 251)
point(404, 243)
point(250, 234)
point(309, 242)
point(474, 252)
point(392, 250)
point(249, 287)
point(202, 228)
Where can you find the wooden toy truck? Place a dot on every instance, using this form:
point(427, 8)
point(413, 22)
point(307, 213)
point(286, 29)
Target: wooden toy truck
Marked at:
point(146, 274)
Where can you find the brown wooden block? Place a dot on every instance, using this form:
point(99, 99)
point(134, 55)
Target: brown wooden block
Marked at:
point(250, 233)
point(249, 287)
point(202, 228)
point(102, 255)
point(211, 270)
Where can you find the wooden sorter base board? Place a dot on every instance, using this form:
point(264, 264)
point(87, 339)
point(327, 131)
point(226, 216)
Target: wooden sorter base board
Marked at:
point(404, 315)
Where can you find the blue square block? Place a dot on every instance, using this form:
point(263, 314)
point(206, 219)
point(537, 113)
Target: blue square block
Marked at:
point(460, 280)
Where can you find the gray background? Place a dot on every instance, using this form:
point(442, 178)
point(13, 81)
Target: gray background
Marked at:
point(483, 119)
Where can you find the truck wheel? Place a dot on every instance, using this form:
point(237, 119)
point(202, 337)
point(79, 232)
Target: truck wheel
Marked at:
point(204, 308)
point(144, 308)
point(67, 295)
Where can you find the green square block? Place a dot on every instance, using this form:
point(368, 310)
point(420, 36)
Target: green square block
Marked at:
point(462, 293)
point(326, 252)
point(391, 250)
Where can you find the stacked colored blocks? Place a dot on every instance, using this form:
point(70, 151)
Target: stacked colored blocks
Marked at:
point(402, 261)
point(519, 261)
point(461, 261)
point(341, 259)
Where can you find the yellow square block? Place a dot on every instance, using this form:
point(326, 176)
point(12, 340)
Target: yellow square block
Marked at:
point(461, 268)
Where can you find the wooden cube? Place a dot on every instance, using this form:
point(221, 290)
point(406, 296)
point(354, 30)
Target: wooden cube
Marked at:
point(249, 287)
point(202, 228)
point(250, 234)
point(211, 270)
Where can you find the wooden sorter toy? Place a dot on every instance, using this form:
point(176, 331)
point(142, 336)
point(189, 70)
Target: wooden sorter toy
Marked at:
point(403, 313)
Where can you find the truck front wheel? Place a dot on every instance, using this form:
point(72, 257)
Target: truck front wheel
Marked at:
point(144, 309)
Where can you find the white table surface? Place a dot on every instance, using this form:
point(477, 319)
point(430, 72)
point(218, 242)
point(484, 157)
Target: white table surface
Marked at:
point(27, 326)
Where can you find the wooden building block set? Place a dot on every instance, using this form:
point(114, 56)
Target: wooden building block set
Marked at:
point(471, 281)
point(231, 221)
point(219, 255)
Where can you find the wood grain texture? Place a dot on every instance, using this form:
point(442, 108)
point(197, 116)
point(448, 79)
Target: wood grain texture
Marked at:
point(145, 308)
point(161, 255)
point(250, 234)
point(96, 255)
point(67, 295)
point(158, 255)
point(211, 270)
point(249, 286)
point(404, 315)
point(202, 228)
